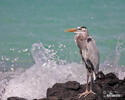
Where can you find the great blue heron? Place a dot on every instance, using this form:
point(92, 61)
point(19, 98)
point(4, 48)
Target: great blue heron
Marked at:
point(89, 54)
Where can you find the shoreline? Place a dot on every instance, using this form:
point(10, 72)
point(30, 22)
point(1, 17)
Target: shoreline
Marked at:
point(106, 87)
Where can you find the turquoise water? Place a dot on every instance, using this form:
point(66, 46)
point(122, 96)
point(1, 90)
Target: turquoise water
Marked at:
point(27, 27)
point(25, 22)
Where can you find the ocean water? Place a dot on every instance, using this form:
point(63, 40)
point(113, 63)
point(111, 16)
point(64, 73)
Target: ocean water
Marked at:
point(35, 52)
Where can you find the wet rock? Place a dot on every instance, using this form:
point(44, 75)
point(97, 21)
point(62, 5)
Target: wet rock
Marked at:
point(106, 87)
point(72, 85)
point(100, 75)
point(49, 98)
point(110, 76)
point(16, 98)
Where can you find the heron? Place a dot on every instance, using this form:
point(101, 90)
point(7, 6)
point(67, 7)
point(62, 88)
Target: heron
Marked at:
point(89, 54)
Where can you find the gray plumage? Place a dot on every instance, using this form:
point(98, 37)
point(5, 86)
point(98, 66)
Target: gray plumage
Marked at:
point(89, 53)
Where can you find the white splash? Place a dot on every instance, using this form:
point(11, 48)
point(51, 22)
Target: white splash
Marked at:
point(34, 82)
point(112, 60)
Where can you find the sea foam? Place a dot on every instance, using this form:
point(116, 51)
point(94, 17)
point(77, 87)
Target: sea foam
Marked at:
point(34, 82)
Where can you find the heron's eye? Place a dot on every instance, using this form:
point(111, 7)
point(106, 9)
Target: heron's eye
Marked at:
point(79, 29)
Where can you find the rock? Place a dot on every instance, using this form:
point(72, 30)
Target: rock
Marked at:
point(110, 76)
point(106, 87)
point(72, 85)
point(49, 98)
point(100, 75)
point(16, 98)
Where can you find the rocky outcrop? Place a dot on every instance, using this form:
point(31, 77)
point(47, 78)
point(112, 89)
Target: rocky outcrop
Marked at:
point(106, 87)
point(16, 98)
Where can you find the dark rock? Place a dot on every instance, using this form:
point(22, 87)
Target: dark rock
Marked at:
point(41, 99)
point(49, 98)
point(110, 76)
point(106, 87)
point(15, 98)
point(72, 85)
point(100, 75)
point(63, 90)
point(58, 85)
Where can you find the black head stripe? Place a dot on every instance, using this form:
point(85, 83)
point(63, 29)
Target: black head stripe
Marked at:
point(83, 27)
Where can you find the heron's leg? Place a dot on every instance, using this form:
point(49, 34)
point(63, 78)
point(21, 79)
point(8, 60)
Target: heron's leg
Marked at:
point(87, 81)
point(91, 84)
point(86, 91)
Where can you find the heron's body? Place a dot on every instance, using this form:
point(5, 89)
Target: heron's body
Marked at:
point(89, 54)
point(88, 51)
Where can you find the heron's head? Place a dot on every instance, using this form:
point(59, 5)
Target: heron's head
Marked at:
point(81, 36)
point(81, 29)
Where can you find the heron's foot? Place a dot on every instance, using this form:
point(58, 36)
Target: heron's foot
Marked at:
point(84, 94)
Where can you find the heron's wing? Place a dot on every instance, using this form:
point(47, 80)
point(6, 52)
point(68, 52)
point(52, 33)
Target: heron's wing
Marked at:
point(92, 53)
point(88, 63)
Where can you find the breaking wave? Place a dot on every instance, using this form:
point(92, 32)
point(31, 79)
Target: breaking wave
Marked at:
point(33, 82)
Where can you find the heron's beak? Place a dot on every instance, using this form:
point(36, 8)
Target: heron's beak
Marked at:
point(71, 30)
